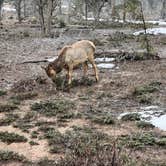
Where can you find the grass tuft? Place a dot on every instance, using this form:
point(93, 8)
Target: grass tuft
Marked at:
point(10, 118)
point(3, 93)
point(131, 117)
point(7, 107)
point(53, 108)
point(143, 93)
point(24, 96)
point(11, 137)
point(144, 125)
point(10, 156)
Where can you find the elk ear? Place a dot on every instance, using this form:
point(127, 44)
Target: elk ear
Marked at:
point(43, 67)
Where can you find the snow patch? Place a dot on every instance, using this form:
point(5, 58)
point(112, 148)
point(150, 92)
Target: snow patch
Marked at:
point(106, 65)
point(51, 59)
point(8, 9)
point(153, 31)
point(104, 59)
point(153, 114)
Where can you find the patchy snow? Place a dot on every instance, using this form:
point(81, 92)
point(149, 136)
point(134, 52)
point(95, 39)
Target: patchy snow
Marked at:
point(154, 31)
point(153, 114)
point(106, 65)
point(92, 19)
point(51, 59)
point(159, 22)
point(104, 59)
point(8, 8)
point(159, 122)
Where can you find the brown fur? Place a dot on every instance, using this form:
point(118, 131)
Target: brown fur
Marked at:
point(71, 56)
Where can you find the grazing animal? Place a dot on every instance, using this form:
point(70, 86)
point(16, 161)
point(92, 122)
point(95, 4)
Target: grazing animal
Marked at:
point(70, 57)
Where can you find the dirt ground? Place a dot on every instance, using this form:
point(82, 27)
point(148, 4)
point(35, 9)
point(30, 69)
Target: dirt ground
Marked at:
point(27, 84)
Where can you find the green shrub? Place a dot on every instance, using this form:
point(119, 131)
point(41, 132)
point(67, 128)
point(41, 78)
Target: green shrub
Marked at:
point(143, 124)
point(11, 137)
point(131, 117)
point(53, 108)
point(11, 156)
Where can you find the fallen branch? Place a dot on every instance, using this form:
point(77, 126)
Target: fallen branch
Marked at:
point(33, 61)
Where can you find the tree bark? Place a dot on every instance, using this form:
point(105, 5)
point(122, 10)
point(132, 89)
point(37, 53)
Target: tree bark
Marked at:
point(163, 10)
point(124, 11)
point(49, 17)
point(1, 3)
point(86, 12)
point(18, 9)
point(25, 12)
point(19, 14)
point(113, 9)
point(0, 12)
point(41, 17)
point(45, 10)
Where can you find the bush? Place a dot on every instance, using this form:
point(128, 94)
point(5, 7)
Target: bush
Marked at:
point(143, 124)
point(11, 137)
point(131, 117)
point(53, 108)
point(7, 107)
point(11, 156)
point(2, 93)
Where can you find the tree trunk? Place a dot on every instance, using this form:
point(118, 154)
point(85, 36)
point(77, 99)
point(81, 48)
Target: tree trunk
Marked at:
point(146, 40)
point(25, 13)
point(113, 9)
point(0, 12)
point(42, 22)
point(18, 9)
point(86, 12)
point(124, 11)
point(163, 10)
point(1, 3)
point(60, 7)
point(41, 17)
point(49, 17)
point(19, 14)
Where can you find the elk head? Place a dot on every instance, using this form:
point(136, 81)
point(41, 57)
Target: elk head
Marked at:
point(50, 71)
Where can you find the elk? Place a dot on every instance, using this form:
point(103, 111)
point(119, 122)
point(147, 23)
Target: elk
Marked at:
point(70, 57)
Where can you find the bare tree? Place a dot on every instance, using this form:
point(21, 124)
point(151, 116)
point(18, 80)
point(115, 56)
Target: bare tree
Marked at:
point(112, 5)
point(124, 10)
point(25, 12)
point(45, 10)
point(146, 42)
point(1, 3)
point(96, 7)
point(17, 4)
point(86, 11)
point(163, 10)
point(131, 7)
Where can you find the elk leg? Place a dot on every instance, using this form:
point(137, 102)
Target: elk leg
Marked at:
point(70, 70)
point(85, 67)
point(95, 69)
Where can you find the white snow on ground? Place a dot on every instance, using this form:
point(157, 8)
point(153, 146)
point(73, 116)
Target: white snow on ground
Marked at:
point(8, 9)
point(160, 22)
point(106, 65)
point(153, 114)
point(157, 22)
point(51, 59)
point(154, 31)
point(104, 59)
point(151, 22)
